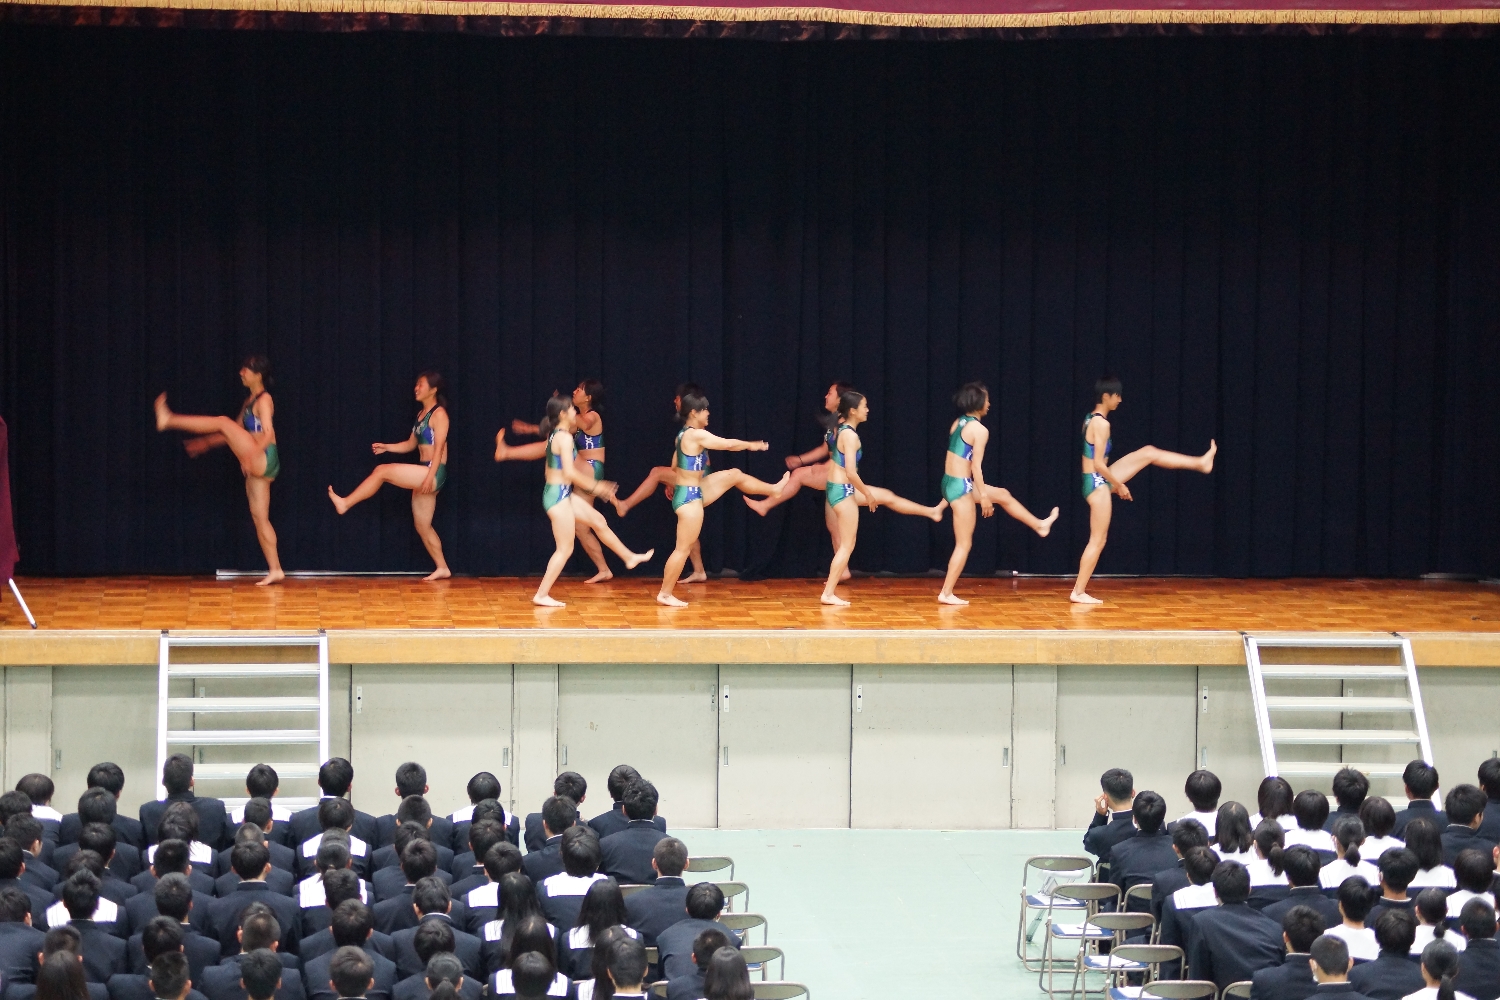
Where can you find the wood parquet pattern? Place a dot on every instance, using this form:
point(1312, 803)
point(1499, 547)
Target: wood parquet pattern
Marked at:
point(628, 603)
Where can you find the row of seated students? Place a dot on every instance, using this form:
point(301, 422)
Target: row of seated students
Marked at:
point(1409, 895)
point(400, 907)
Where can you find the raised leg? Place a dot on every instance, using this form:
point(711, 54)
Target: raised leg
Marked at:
point(528, 452)
point(251, 456)
point(422, 506)
point(402, 474)
point(847, 513)
point(901, 505)
point(815, 475)
point(585, 515)
point(258, 492)
point(563, 528)
point(1018, 510)
point(659, 474)
point(689, 523)
point(1100, 508)
point(1128, 465)
point(963, 541)
point(715, 484)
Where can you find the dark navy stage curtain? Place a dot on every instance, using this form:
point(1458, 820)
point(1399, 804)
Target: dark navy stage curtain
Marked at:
point(1288, 244)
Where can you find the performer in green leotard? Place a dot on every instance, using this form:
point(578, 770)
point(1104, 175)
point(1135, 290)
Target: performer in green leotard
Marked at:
point(963, 483)
point(252, 438)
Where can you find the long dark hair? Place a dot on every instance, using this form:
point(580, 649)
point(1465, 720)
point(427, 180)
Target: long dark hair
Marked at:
point(1232, 828)
point(260, 365)
point(1423, 839)
point(556, 407)
point(1440, 959)
point(435, 380)
point(603, 906)
point(604, 987)
point(693, 399)
point(727, 977)
point(61, 978)
point(594, 390)
point(1378, 816)
point(849, 399)
point(517, 902)
point(444, 990)
point(1274, 798)
point(533, 934)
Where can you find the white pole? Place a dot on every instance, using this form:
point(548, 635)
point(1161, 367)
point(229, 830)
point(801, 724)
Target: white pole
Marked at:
point(22, 601)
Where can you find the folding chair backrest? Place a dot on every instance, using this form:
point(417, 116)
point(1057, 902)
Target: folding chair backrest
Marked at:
point(1142, 891)
point(659, 988)
point(743, 922)
point(779, 990)
point(631, 890)
point(1240, 990)
point(1147, 954)
point(1181, 989)
point(1122, 921)
point(764, 955)
point(1075, 865)
point(733, 889)
point(1091, 892)
point(653, 955)
point(710, 864)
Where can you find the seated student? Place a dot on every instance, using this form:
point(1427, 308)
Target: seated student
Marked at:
point(1356, 898)
point(1424, 840)
point(568, 785)
point(97, 808)
point(1235, 834)
point(335, 778)
point(658, 907)
point(40, 789)
point(1479, 966)
point(1420, 782)
point(690, 987)
point(95, 848)
point(443, 979)
point(432, 905)
point(562, 894)
point(352, 926)
point(627, 970)
point(83, 874)
point(614, 821)
point(532, 935)
point(1268, 879)
point(1137, 861)
point(1331, 962)
point(1112, 821)
point(163, 936)
point(414, 815)
point(518, 903)
point(252, 863)
point(279, 879)
point(1489, 780)
point(705, 901)
point(1379, 819)
point(342, 889)
point(103, 951)
point(177, 778)
point(387, 881)
point(1348, 837)
point(19, 940)
point(1439, 965)
point(169, 933)
point(530, 976)
point(1202, 789)
point(559, 815)
point(727, 977)
point(603, 906)
point(172, 860)
point(169, 977)
point(257, 813)
point(225, 981)
point(312, 893)
point(351, 974)
point(111, 778)
point(1392, 975)
point(626, 855)
point(483, 787)
point(1474, 871)
point(262, 782)
point(1397, 869)
point(1310, 809)
point(24, 829)
point(469, 873)
point(1302, 865)
point(1273, 799)
point(1184, 905)
point(598, 983)
point(334, 813)
point(61, 963)
point(180, 822)
point(1431, 910)
point(1465, 807)
point(1186, 834)
point(411, 782)
point(1349, 790)
point(1293, 978)
point(1230, 941)
point(486, 811)
point(396, 912)
point(482, 903)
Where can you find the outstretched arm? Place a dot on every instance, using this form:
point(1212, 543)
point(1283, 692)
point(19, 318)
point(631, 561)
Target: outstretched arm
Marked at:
point(522, 427)
point(400, 448)
point(818, 454)
point(713, 442)
point(976, 469)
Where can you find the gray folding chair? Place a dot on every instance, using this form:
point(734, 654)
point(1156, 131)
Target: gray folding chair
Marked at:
point(659, 988)
point(653, 956)
point(710, 864)
point(631, 890)
point(761, 956)
point(1110, 965)
point(780, 991)
point(1091, 895)
point(1180, 989)
point(1038, 901)
point(744, 922)
point(733, 890)
point(1146, 959)
point(1142, 893)
point(1238, 991)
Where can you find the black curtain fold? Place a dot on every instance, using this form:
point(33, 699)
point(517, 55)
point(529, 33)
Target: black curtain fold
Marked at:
point(1288, 244)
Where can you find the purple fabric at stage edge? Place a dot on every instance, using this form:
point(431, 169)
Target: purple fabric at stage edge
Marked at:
point(8, 554)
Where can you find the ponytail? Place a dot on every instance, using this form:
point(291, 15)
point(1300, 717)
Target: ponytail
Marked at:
point(1350, 833)
point(1432, 906)
point(1440, 959)
point(1269, 841)
point(444, 991)
point(556, 407)
point(435, 380)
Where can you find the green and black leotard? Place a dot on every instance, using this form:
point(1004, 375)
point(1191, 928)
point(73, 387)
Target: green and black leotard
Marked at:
point(252, 423)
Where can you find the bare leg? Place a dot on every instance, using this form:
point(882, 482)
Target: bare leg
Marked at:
point(529, 452)
point(963, 541)
point(1018, 510)
point(815, 475)
point(258, 491)
point(901, 505)
point(561, 516)
point(252, 457)
point(716, 484)
point(689, 523)
point(585, 515)
point(831, 521)
point(1128, 465)
point(402, 474)
point(1100, 508)
point(699, 574)
point(659, 474)
point(847, 514)
point(422, 506)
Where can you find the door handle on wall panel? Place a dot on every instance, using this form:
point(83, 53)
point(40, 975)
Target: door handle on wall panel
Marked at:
point(726, 756)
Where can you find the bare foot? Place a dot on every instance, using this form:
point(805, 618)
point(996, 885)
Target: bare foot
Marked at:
point(670, 601)
point(441, 573)
point(786, 477)
point(163, 413)
point(600, 577)
point(950, 599)
point(547, 602)
point(1205, 464)
point(759, 506)
point(621, 509)
point(697, 577)
point(1078, 598)
point(275, 576)
point(834, 599)
point(1045, 528)
point(639, 558)
point(936, 513)
point(339, 503)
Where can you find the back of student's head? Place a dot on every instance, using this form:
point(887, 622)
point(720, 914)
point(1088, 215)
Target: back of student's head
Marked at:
point(531, 934)
point(160, 935)
point(1231, 882)
point(170, 973)
point(1199, 864)
point(1378, 816)
point(11, 858)
point(1203, 789)
point(261, 972)
point(1274, 798)
point(339, 886)
point(84, 861)
point(1464, 803)
point(1331, 954)
point(484, 834)
point(580, 851)
point(14, 905)
point(1477, 919)
point(1489, 777)
point(1396, 931)
point(335, 776)
point(1117, 783)
point(570, 785)
point(706, 943)
point(502, 859)
point(178, 822)
point(257, 815)
point(173, 894)
point(1150, 811)
point(1350, 788)
point(80, 895)
point(63, 937)
point(1398, 867)
point(489, 809)
point(13, 802)
point(333, 851)
point(1474, 869)
point(36, 787)
point(518, 899)
point(1440, 959)
point(1232, 828)
point(1356, 897)
point(705, 901)
point(1431, 908)
point(1187, 834)
point(483, 785)
point(172, 857)
point(431, 938)
point(431, 895)
point(1420, 779)
point(408, 832)
point(97, 805)
point(335, 814)
point(670, 855)
point(559, 813)
point(640, 799)
point(1270, 842)
point(107, 775)
point(627, 963)
point(1349, 834)
point(419, 860)
point(97, 837)
point(1302, 925)
point(249, 860)
point(60, 977)
point(177, 773)
point(250, 832)
point(727, 977)
point(531, 975)
point(262, 781)
point(1310, 807)
point(1423, 839)
point(622, 775)
point(350, 971)
point(443, 968)
point(351, 923)
point(411, 779)
point(603, 906)
point(258, 927)
point(25, 829)
point(414, 809)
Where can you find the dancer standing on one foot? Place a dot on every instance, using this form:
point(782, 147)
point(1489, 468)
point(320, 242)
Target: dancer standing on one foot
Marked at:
point(1101, 477)
point(695, 491)
point(589, 439)
point(963, 483)
point(666, 477)
point(844, 484)
point(252, 438)
point(561, 499)
point(429, 439)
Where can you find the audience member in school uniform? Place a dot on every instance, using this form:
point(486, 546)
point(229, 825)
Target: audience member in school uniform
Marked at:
point(351, 928)
point(1235, 834)
point(1479, 966)
point(262, 782)
point(1112, 821)
point(12, 867)
point(334, 813)
point(335, 778)
point(110, 777)
point(598, 983)
point(1440, 964)
point(177, 778)
point(1349, 790)
point(1274, 800)
point(25, 830)
point(279, 880)
point(434, 907)
point(1185, 904)
point(559, 815)
point(1425, 841)
point(1301, 865)
point(257, 937)
point(258, 813)
point(603, 906)
point(483, 787)
point(1348, 836)
point(1310, 809)
point(312, 893)
point(614, 821)
point(1464, 805)
point(532, 937)
point(252, 863)
point(388, 881)
point(1489, 780)
point(179, 821)
point(40, 789)
point(19, 940)
point(61, 975)
point(99, 838)
point(175, 901)
point(1355, 898)
point(395, 912)
point(727, 977)
point(690, 986)
point(532, 976)
point(1202, 789)
point(1186, 835)
point(411, 782)
point(169, 976)
point(1139, 859)
point(675, 944)
point(172, 855)
point(197, 905)
point(414, 813)
point(444, 979)
point(654, 909)
point(1230, 942)
point(1379, 818)
point(518, 903)
point(562, 894)
point(1330, 961)
point(1474, 871)
point(627, 970)
point(162, 936)
point(626, 855)
point(482, 903)
point(258, 974)
point(105, 912)
point(1293, 978)
point(351, 974)
point(469, 866)
point(1393, 975)
point(1268, 879)
point(1431, 909)
point(1397, 869)
point(341, 889)
point(104, 953)
point(98, 806)
point(485, 811)
point(568, 785)
point(1420, 781)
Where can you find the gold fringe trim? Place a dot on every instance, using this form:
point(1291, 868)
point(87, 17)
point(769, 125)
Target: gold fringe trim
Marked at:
point(834, 15)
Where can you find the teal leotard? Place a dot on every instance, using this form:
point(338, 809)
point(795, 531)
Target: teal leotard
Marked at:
point(837, 493)
point(956, 486)
point(423, 431)
point(688, 463)
point(252, 423)
point(554, 493)
point(1092, 480)
point(589, 442)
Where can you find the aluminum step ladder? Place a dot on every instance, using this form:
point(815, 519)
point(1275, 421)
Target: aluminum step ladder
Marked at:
point(1408, 722)
point(244, 664)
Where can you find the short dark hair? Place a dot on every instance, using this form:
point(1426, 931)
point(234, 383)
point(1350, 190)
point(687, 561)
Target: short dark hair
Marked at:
point(707, 942)
point(179, 821)
point(350, 971)
point(970, 397)
point(25, 829)
point(580, 851)
point(414, 809)
point(1107, 385)
point(559, 813)
point(484, 834)
point(670, 855)
point(1274, 797)
point(351, 923)
point(489, 809)
point(1311, 809)
point(1398, 867)
point(36, 787)
point(431, 895)
point(1203, 789)
point(571, 785)
point(1396, 930)
point(13, 802)
point(173, 894)
point(172, 856)
point(502, 859)
point(705, 901)
point(1150, 811)
point(431, 938)
point(1189, 833)
point(419, 860)
point(335, 776)
point(257, 814)
point(108, 776)
point(1474, 869)
point(622, 775)
point(63, 937)
point(333, 852)
point(411, 779)
point(640, 799)
point(1198, 864)
point(408, 832)
point(260, 971)
point(531, 974)
point(97, 837)
point(1477, 919)
point(1331, 954)
point(169, 974)
point(483, 785)
point(262, 781)
point(97, 805)
point(1117, 783)
point(84, 860)
point(249, 860)
point(259, 927)
point(161, 935)
point(177, 773)
point(80, 895)
point(1356, 897)
point(1378, 816)
point(14, 905)
point(1463, 803)
point(627, 962)
point(1302, 925)
point(1489, 776)
point(339, 886)
point(1231, 882)
point(1421, 779)
point(335, 813)
point(1350, 788)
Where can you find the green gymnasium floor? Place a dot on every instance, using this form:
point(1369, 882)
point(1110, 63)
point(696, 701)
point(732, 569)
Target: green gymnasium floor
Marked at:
point(859, 911)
